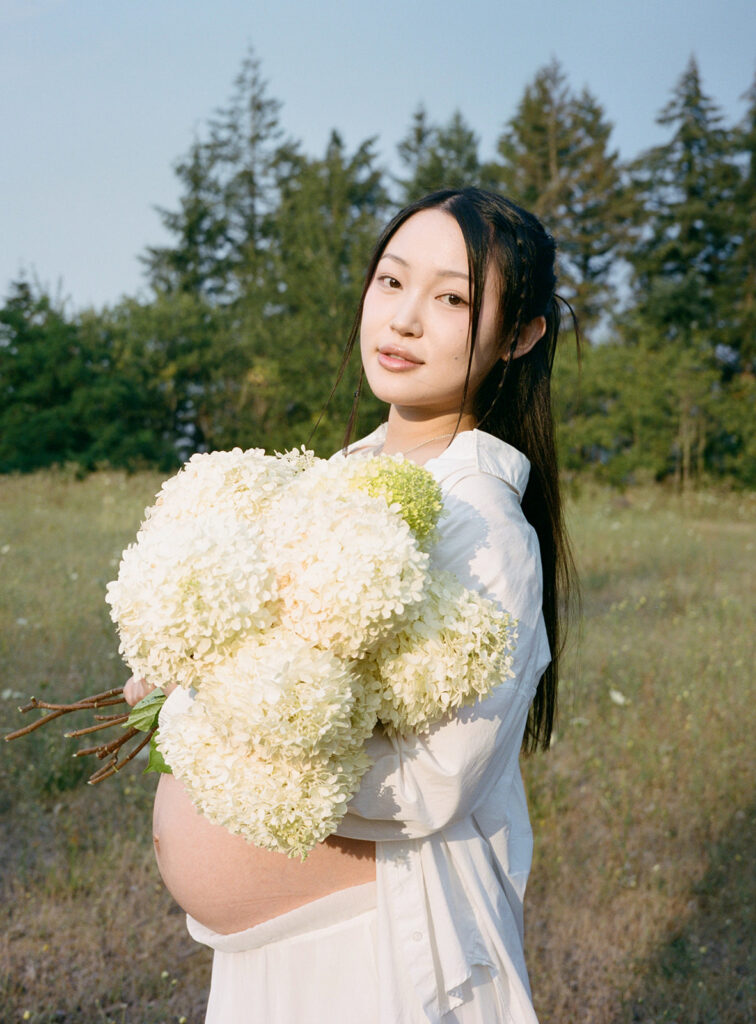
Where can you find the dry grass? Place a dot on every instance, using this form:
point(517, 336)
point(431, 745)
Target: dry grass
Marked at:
point(643, 811)
point(88, 932)
point(639, 904)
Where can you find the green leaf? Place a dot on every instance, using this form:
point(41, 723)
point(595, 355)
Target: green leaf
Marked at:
point(156, 762)
point(144, 715)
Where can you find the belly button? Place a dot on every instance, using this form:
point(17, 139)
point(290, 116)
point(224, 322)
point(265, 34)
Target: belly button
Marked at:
point(156, 842)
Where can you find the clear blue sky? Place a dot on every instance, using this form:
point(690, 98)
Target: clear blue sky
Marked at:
point(98, 98)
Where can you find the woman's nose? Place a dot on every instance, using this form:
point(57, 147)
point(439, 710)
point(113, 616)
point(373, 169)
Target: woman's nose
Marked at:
point(406, 319)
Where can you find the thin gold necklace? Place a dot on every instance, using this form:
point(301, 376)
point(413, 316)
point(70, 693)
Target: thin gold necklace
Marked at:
point(439, 437)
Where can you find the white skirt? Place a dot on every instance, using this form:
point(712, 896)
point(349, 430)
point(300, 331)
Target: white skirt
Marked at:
point(317, 965)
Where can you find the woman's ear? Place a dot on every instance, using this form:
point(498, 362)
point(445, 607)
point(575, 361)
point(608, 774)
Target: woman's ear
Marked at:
point(529, 335)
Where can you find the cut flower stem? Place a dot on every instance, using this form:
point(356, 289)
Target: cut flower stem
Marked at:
point(111, 749)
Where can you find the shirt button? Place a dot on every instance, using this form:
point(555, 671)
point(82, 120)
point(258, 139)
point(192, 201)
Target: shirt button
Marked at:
point(417, 936)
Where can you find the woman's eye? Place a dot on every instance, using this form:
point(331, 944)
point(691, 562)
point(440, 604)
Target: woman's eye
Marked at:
point(388, 280)
point(451, 299)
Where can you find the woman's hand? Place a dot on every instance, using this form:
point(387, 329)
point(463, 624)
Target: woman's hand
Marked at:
point(135, 689)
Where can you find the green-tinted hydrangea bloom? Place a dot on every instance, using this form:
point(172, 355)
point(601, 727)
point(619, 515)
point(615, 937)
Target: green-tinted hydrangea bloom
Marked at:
point(407, 485)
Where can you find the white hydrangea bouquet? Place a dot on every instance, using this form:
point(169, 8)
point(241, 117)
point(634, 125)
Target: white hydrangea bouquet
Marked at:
point(291, 599)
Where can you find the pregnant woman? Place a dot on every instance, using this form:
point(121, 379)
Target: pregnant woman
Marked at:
point(412, 913)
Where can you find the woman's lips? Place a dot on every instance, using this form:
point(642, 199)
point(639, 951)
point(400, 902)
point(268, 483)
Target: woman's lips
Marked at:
point(391, 360)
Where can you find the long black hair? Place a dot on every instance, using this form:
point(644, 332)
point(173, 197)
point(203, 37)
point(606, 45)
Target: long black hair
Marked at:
point(514, 401)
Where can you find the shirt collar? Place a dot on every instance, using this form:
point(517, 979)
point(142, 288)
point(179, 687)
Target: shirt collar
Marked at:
point(489, 455)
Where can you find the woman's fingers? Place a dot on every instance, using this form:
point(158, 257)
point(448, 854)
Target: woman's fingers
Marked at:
point(135, 689)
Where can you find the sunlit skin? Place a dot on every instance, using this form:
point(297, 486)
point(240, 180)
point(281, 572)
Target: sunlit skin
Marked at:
point(414, 334)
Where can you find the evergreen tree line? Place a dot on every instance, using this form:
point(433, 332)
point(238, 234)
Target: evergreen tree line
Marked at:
point(249, 305)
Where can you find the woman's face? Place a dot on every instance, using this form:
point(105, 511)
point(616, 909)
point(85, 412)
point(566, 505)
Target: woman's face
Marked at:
point(416, 318)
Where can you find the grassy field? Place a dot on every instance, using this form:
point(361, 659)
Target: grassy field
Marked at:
point(640, 907)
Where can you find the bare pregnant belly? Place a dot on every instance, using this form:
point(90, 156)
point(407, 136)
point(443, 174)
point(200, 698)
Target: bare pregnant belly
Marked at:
point(228, 884)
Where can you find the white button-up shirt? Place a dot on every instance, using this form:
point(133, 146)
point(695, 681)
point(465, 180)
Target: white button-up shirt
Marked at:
point(447, 809)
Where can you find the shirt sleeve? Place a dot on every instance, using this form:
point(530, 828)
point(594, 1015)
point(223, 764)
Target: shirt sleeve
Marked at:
point(421, 783)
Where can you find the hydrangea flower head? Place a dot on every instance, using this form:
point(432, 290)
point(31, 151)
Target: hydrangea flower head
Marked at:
point(453, 649)
point(187, 591)
point(272, 745)
point(348, 564)
point(409, 488)
point(243, 483)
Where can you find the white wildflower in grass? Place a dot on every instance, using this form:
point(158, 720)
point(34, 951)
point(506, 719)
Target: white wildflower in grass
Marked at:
point(454, 648)
point(187, 591)
point(618, 698)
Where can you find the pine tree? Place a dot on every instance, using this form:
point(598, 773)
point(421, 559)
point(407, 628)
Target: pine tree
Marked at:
point(248, 141)
point(742, 337)
point(598, 205)
point(438, 156)
point(554, 159)
point(535, 147)
point(415, 153)
point(228, 183)
point(201, 259)
point(329, 214)
point(683, 242)
point(216, 285)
